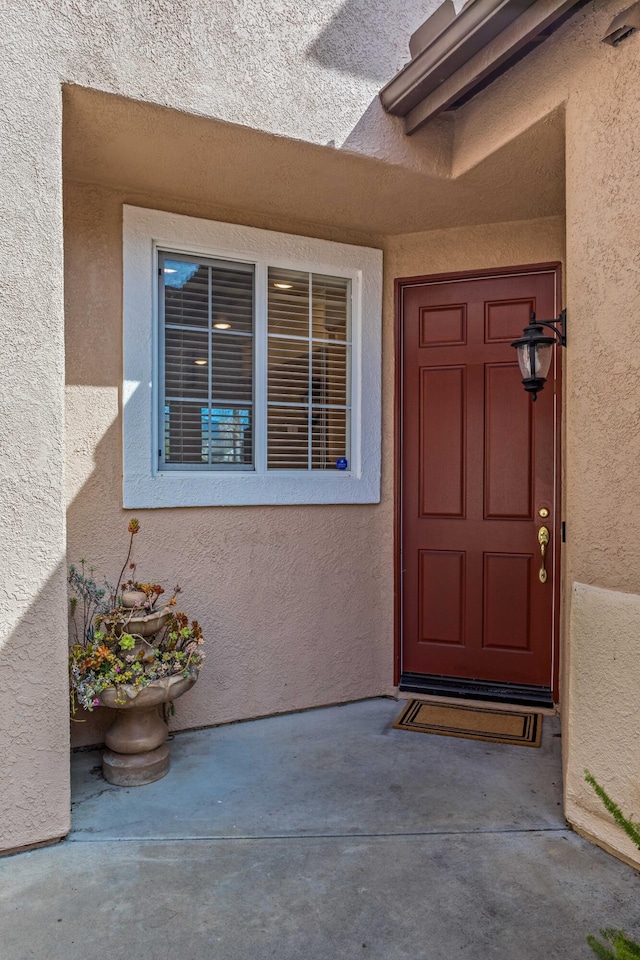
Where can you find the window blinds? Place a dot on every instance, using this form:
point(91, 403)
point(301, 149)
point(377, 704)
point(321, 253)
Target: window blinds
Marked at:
point(208, 361)
point(308, 368)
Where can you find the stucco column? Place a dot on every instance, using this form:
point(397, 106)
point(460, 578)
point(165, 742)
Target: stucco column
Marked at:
point(602, 442)
point(34, 736)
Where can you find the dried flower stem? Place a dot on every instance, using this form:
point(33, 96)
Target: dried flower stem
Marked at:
point(133, 528)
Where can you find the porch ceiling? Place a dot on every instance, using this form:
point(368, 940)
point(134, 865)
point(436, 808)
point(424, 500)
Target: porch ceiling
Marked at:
point(150, 150)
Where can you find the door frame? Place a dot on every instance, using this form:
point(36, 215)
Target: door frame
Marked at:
point(400, 283)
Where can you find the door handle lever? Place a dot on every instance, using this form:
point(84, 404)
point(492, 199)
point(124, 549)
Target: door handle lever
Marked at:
point(543, 540)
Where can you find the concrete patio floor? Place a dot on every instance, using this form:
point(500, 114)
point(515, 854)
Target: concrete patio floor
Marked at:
point(319, 836)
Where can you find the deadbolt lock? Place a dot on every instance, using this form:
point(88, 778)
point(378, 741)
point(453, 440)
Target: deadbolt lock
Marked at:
point(543, 512)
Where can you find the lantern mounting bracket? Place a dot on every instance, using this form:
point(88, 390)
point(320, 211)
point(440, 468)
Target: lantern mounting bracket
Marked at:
point(558, 326)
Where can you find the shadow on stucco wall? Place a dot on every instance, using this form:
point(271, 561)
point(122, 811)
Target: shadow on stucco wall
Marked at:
point(384, 28)
point(292, 614)
point(34, 738)
point(379, 134)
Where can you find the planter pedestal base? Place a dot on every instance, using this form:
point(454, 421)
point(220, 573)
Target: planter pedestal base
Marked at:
point(136, 750)
point(135, 769)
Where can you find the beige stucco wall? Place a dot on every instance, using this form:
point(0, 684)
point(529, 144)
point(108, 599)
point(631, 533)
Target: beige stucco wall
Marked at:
point(602, 728)
point(34, 736)
point(309, 72)
point(296, 602)
point(604, 704)
point(261, 64)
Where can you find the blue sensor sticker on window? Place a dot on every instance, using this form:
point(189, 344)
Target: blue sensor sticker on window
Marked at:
point(342, 463)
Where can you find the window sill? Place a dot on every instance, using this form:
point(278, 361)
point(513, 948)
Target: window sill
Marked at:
point(192, 489)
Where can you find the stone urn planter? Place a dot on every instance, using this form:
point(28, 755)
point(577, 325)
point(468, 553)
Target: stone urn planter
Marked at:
point(133, 598)
point(136, 749)
point(133, 652)
point(141, 623)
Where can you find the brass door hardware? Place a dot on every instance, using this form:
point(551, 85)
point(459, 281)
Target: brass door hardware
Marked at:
point(543, 540)
point(543, 512)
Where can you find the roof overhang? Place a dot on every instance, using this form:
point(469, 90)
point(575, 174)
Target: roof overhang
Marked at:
point(453, 57)
point(152, 155)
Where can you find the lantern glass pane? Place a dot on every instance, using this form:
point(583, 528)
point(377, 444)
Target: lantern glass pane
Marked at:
point(543, 359)
point(524, 359)
point(541, 353)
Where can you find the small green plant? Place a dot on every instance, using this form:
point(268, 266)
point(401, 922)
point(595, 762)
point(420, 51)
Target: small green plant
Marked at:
point(89, 599)
point(630, 827)
point(621, 946)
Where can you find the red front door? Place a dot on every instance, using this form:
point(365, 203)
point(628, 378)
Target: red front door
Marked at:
point(477, 484)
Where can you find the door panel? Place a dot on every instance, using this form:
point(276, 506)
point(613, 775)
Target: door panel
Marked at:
point(441, 600)
point(477, 464)
point(507, 573)
point(442, 447)
point(508, 480)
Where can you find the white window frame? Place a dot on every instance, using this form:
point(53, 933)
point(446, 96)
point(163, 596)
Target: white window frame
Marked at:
point(144, 484)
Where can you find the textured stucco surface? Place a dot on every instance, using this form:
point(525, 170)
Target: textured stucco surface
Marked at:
point(295, 602)
point(307, 71)
point(33, 724)
point(603, 732)
point(310, 73)
point(261, 64)
point(603, 432)
point(141, 147)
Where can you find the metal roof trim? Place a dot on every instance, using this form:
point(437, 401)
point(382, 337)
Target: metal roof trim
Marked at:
point(475, 26)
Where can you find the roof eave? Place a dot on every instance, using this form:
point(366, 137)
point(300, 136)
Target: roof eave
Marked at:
point(460, 59)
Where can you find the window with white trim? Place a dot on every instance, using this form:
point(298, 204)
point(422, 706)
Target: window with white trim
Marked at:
point(251, 365)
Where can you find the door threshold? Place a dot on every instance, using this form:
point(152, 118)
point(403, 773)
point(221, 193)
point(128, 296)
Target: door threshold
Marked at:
point(517, 694)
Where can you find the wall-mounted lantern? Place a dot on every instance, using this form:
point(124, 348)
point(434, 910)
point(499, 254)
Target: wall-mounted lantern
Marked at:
point(534, 350)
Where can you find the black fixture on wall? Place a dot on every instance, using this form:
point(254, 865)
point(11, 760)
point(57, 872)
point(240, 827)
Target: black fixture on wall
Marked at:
point(534, 350)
